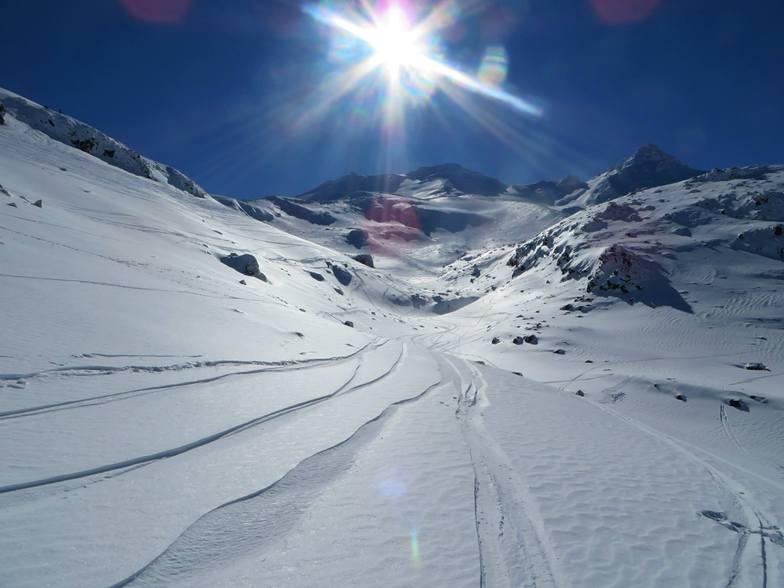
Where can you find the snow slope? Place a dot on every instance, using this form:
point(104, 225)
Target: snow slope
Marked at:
point(173, 415)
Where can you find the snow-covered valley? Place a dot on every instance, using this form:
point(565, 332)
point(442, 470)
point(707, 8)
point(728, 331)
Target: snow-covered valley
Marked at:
point(565, 384)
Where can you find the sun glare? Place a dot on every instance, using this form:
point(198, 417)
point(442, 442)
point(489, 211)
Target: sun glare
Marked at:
point(403, 42)
point(394, 42)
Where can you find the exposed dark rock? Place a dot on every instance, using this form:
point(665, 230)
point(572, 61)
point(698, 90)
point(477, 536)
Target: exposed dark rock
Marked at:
point(302, 212)
point(349, 324)
point(418, 301)
point(341, 274)
point(316, 276)
point(39, 203)
point(358, 238)
point(737, 403)
point(13, 204)
point(342, 187)
point(475, 272)
point(109, 153)
point(649, 167)
point(580, 393)
point(548, 192)
point(2, 114)
point(560, 352)
point(430, 220)
point(85, 145)
point(681, 397)
point(518, 373)
point(249, 209)
point(755, 366)
point(531, 339)
point(365, 259)
point(495, 341)
point(245, 264)
point(243, 282)
point(460, 178)
point(518, 340)
point(451, 305)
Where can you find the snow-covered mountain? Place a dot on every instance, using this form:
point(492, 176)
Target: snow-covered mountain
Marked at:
point(414, 223)
point(649, 167)
point(563, 384)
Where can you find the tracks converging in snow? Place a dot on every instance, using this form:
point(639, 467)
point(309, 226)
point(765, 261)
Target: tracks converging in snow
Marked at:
point(345, 388)
point(357, 438)
point(270, 366)
point(513, 544)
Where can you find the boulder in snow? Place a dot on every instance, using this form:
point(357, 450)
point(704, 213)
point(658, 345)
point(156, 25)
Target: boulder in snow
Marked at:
point(365, 259)
point(245, 263)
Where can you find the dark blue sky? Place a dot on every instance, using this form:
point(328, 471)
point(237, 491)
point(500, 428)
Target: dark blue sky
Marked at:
point(218, 91)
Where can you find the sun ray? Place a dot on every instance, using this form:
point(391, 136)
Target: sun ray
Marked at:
point(406, 49)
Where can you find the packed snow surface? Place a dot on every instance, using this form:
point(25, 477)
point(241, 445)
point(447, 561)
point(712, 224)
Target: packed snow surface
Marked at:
point(196, 391)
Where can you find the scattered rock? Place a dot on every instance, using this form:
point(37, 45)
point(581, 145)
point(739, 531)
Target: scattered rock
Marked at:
point(495, 341)
point(2, 114)
point(358, 238)
point(475, 272)
point(518, 340)
point(531, 339)
point(559, 352)
point(588, 361)
point(755, 366)
point(243, 282)
point(737, 403)
point(681, 397)
point(245, 264)
point(349, 324)
point(39, 203)
point(316, 276)
point(343, 275)
point(568, 307)
point(13, 204)
point(580, 393)
point(757, 398)
point(85, 145)
point(517, 374)
point(365, 259)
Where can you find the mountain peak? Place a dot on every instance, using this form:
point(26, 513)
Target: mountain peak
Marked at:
point(651, 151)
point(460, 178)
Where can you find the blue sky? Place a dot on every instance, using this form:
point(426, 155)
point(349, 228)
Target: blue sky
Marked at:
point(221, 89)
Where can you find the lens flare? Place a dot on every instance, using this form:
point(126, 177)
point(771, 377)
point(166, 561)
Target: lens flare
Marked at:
point(416, 556)
point(495, 66)
point(157, 11)
point(409, 53)
point(616, 12)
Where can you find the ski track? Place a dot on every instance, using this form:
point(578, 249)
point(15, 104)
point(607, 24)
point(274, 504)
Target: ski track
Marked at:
point(725, 425)
point(345, 388)
point(130, 287)
point(510, 531)
point(740, 494)
point(307, 472)
point(290, 365)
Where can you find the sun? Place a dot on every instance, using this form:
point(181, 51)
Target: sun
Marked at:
point(405, 45)
point(395, 44)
